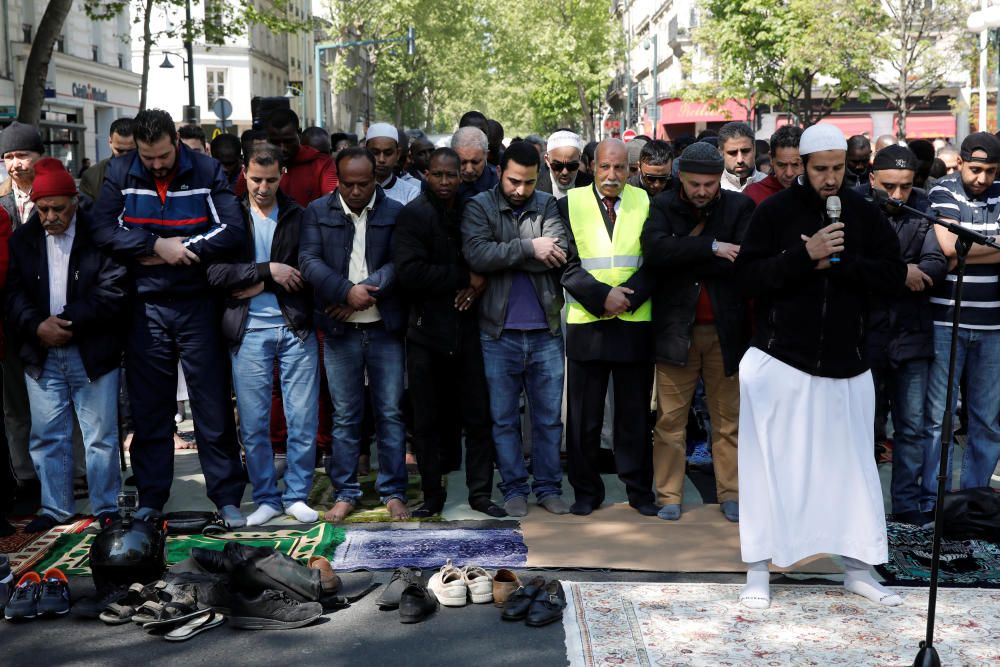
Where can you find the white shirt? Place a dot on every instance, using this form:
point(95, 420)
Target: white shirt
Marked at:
point(22, 200)
point(357, 268)
point(57, 250)
point(732, 182)
point(402, 191)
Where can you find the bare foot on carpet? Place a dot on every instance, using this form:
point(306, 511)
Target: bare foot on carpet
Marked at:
point(181, 443)
point(398, 510)
point(338, 512)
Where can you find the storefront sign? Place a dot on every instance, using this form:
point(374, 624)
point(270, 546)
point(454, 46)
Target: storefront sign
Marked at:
point(87, 92)
point(8, 111)
point(612, 124)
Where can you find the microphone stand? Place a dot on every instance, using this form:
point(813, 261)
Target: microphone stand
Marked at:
point(966, 238)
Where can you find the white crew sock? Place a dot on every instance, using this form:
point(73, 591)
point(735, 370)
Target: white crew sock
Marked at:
point(262, 515)
point(858, 579)
point(756, 594)
point(302, 512)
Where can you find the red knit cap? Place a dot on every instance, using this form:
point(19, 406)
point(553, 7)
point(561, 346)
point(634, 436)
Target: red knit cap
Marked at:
point(52, 180)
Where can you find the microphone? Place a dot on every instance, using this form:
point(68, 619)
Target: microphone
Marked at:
point(882, 197)
point(833, 210)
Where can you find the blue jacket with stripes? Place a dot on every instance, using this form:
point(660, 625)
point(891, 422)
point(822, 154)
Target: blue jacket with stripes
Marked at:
point(200, 207)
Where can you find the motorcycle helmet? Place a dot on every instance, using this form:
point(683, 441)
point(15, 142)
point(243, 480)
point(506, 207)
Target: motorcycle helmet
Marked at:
point(129, 551)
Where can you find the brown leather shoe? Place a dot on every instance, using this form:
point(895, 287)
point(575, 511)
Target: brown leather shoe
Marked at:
point(328, 578)
point(505, 582)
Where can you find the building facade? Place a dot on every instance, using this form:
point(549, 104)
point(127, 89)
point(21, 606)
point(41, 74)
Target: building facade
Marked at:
point(89, 83)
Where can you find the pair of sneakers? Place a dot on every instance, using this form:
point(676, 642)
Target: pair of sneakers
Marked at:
point(454, 586)
point(39, 595)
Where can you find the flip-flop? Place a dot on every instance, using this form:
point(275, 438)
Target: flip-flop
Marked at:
point(195, 626)
point(173, 615)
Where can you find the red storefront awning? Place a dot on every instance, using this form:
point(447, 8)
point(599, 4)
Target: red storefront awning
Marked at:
point(928, 126)
point(682, 111)
point(849, 125)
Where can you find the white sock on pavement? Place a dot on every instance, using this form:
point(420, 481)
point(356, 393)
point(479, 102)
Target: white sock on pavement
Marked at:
point(756, 594)
point(858, 579)
point(302, 512)
point(262, 515)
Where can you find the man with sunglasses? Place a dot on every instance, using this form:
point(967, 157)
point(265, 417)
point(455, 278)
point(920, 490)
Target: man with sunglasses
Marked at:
point(656, 161)
point(563, 153)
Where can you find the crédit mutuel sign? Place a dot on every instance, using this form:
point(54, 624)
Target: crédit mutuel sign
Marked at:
point(87, 92)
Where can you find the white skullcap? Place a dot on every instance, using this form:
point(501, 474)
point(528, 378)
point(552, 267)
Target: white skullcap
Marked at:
point(382, 131)
point(564, 139)
point(822, 137)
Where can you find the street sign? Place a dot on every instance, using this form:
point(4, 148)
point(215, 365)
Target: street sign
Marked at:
point(628, 135)
point(222, 108)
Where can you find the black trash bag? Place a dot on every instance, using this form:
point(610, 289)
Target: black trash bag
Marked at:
point(972, 514)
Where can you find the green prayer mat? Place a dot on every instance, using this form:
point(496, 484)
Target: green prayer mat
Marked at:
point(370, 508)
point(70, 553)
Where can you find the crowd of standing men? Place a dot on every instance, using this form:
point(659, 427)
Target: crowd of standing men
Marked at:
point(437, 291)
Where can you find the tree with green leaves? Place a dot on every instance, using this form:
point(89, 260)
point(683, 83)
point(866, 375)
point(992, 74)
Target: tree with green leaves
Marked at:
point(917, 63)
point(804, 58)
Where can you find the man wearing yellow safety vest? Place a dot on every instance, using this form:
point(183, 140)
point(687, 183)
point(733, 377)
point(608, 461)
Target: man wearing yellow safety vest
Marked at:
point(608, 331)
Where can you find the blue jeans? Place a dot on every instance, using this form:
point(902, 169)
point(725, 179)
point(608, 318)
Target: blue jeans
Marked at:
point(253, 373)
point(349, 358)
point(532, 361)
point(978, 354)
point(910, 460)
point(63, 387)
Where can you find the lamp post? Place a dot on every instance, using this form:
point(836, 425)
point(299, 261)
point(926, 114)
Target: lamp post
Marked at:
point(192, 114)
point(983, 22)
point(411, 49)
point(656, 84)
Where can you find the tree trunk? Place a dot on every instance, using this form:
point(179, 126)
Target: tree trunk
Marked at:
point(33, 90)
point(588, 120)
point(147, 44)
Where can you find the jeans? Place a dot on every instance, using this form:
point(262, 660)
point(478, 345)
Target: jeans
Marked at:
point(911, 462)
point(253, 370)
point(61, 389)
point(978, 353)
point(532, 361)
point(374, 353)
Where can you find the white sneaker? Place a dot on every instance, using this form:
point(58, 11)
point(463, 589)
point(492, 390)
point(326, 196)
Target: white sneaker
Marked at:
point(449, 586)
point(479, 582)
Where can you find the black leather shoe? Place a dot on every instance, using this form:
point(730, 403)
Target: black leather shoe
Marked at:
point(430, 507)
point(278, 571)
point(548, 605)
point(402, 578)
point(581, 508)
point(516, 606)
point(646, 509)
point(489, 508)
point(416, 603)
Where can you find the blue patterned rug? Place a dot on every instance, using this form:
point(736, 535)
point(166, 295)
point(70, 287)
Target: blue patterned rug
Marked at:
point(430, 548)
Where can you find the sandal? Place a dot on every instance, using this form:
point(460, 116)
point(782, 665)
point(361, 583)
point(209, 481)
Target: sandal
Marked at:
point(173, 614)
point(147, 612)
point(195, 626)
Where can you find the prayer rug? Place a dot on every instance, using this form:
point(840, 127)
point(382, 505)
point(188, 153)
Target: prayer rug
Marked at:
point(430, 548)
point(625, 625)
point(70, 553)
point(370, 508)
point(24, 550)
point(964, 563)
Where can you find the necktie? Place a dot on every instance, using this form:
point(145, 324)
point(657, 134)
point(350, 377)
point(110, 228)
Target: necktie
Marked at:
point(609, 203)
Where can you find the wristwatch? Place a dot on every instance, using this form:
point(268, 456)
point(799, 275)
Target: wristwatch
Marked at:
point(715, 246)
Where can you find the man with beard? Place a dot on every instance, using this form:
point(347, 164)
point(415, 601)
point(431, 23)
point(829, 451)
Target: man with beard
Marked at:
point(901, 333)
point(420, 155)
point(472, 147)
point(786, 165)
point(736, 143)
point(309, 174)
point(563, 153)
point(859, 158)
point(691, 241)
point(444, 359)
point(808, 482)
point(120, 141)
point(382, 141)
point(969, 197)
point(608, 332)
point(656, 161)
point(514, 236)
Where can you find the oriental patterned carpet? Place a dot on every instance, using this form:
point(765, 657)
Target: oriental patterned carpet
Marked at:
point(25, 550)
point(625, 625)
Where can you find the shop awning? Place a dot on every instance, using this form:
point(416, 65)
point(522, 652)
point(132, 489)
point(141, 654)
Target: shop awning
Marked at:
point(849, 125)
point(928, 126)
point(683, 111)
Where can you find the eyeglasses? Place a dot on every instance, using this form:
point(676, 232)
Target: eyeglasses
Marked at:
point(654, 179)
point(565, 166)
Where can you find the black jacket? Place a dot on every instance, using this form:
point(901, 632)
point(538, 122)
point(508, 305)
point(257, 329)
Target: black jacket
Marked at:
point(96, 298)
point(901, 328)
point(612, 339)
point(684, 264)
point(244, 271)
point(816, 320)
point(427, 252)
